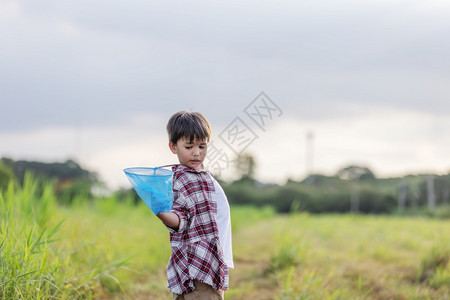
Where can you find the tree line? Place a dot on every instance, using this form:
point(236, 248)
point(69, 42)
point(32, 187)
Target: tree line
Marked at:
point(70, 179)
point(353, 188)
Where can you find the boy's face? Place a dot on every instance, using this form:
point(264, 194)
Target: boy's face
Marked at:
point(190, 154)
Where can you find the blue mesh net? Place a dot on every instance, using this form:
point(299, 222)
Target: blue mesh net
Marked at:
point(153, 185)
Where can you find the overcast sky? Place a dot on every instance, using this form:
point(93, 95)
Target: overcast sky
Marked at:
point(97, 81)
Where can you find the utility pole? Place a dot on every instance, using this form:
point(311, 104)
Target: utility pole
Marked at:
point(402, 190)
point(309, 153)
point(431, 194)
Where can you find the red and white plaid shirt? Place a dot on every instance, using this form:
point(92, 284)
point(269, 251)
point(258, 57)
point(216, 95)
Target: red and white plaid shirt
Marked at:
point(196, 250)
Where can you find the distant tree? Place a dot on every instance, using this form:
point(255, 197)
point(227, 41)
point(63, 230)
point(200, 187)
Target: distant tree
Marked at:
point(6, 175)
point(245, 165)
point(68, 170)
point(70, 178)
point(319, 179)
point(355, 173)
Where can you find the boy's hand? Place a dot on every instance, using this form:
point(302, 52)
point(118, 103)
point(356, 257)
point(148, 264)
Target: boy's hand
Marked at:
point(161, 203)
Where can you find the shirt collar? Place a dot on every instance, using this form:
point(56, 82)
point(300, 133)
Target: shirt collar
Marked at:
point(182, 168)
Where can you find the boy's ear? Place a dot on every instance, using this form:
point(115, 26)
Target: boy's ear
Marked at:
point(173, 147)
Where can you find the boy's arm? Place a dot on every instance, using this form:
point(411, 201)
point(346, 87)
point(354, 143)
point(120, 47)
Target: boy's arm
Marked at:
point(170, 219)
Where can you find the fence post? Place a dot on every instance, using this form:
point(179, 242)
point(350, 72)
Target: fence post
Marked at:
point(402, 188)
point(430, 192)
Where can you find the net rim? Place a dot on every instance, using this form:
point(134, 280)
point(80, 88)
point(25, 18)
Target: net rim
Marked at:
point(148, 171)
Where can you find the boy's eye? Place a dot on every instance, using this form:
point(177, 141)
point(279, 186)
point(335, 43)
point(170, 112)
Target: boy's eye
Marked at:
point(188, 147)
point(202, 147)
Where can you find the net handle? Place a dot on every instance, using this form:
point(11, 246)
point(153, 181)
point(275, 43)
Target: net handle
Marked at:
point(166, 166)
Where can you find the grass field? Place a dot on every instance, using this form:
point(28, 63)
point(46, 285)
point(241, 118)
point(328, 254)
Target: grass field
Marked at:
point(110, 250)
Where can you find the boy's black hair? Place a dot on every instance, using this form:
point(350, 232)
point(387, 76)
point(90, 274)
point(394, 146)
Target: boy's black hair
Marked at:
point(191, 125)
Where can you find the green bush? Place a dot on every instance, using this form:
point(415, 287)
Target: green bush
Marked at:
point(318, 196)
point(6, 176)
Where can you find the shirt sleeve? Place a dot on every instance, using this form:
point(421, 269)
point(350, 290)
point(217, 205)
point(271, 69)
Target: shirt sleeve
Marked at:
point(179, 208)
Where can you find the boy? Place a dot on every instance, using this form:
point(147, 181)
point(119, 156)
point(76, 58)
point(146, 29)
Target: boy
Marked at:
point(199, 221)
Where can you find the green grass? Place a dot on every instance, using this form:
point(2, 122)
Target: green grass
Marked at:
point(38, 260)
point(107, 249)
point(362, 257)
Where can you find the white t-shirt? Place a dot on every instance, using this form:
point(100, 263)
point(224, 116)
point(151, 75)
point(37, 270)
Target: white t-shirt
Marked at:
point(224, 224)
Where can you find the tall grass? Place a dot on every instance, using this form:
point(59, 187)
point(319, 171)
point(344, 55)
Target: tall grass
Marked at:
point(26, 239)
point(34, 261)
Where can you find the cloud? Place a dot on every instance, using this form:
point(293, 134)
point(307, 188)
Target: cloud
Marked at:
point(9, 10)
point(391, 142)
point(68, 29)
point(72, 61)
point(96, 66)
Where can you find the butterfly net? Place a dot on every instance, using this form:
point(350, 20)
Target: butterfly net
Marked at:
point(153, 185)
